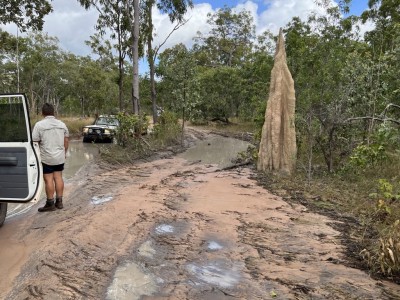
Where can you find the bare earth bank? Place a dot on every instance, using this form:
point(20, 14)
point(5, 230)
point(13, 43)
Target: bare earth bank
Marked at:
point(170, 229)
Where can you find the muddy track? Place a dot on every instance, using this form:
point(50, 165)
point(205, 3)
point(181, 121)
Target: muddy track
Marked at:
point(170, 229)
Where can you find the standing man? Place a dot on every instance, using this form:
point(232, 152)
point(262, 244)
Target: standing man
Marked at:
point(52, 136)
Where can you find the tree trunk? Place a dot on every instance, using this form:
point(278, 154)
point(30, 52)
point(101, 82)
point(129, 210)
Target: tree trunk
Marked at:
point(135, 58)
point(121, 72)
point(151, 58)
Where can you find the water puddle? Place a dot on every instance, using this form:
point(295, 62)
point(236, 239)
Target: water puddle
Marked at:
point(147, 250)
point(216, 150)
point(102, 199)
point(214, 246)
point(79, 154)
point(216, 273)
point(130, 282)
point(164, 229)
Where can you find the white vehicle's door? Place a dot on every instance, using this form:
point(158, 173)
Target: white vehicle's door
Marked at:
point(20, 168)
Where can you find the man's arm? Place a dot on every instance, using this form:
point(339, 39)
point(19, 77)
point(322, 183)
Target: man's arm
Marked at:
point(36, 134)
point(66, 144)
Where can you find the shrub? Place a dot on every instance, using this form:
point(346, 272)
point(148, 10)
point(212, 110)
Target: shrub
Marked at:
point(389, 254)
point(168, 130)
point(383, 255)
point(130, 128)
point(386, 255)
point(367, 155)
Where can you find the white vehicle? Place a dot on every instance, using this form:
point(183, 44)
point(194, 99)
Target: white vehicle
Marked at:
point(20, 167)
point(103, 129)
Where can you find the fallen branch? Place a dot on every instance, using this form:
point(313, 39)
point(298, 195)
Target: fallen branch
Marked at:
point(245, 163)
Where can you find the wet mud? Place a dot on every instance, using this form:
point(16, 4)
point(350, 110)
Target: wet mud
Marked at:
point(178, 229)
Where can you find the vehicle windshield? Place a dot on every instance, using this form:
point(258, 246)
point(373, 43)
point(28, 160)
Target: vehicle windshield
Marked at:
point(107, 121)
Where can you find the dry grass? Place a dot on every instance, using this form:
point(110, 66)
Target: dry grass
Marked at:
point(75, 125)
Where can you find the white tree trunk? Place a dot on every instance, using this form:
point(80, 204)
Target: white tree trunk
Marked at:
point(135, 57)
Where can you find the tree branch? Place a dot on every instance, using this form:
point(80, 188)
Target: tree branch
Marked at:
point(381, 117)
point(372, 118)
point(176, 27)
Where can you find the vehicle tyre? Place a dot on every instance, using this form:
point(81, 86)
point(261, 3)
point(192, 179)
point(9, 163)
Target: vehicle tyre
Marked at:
point(3, 212)
point(86, 140)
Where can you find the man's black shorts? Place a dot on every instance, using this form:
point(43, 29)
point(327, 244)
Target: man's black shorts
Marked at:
point(47, 169)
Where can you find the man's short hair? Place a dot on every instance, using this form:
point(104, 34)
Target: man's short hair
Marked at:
point(47, 109)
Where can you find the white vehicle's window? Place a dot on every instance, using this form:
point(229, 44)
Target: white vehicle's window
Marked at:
point(12, 124)
point(106, 121)
point(113, 122)
point(101, 121)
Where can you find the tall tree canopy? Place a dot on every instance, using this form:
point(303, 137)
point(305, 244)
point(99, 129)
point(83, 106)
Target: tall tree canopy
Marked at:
point(26, 14)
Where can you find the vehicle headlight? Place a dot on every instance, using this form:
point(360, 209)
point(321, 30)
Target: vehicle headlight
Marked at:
point(107, 131)
point(85, 130)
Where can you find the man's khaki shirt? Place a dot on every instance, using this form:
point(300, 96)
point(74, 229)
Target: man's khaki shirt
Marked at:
point(50, 134)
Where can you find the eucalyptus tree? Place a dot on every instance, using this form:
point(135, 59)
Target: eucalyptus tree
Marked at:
point(177, 70)
point(26, 14)
point(230, 39)
point(175, 11)
point(86, 86)
point(113, 23)
point(135, 57)
point(255, 73)
point(8, 64)
point(39, 62)
point(384, 42)
point(386, 16)
point(317, 53)
point(222, 54)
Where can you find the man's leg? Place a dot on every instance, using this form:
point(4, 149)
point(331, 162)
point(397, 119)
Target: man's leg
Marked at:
point(49, 188)
point(49, 185)
point(59, 184)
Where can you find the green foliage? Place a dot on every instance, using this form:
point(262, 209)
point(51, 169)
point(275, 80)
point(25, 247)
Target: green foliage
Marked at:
point(26, 14)
point(376, 152)
point(367, 155)
point(387, 191)
point(383, 255)
point(180, 87)
point(167, 131)
point(229, 39)
point(131, 127)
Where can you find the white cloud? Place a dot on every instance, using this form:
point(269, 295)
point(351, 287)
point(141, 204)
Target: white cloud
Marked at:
point(277, 14)
point(280, 13)
point(363, 28)
point(197, 21)
point(72, 24)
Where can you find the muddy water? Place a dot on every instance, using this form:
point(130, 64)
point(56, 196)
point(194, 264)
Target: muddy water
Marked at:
point(169, 229)
point(216, 150)
point(131, 281)
point(79, 154)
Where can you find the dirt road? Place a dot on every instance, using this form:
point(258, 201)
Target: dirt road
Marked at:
point(171, 229)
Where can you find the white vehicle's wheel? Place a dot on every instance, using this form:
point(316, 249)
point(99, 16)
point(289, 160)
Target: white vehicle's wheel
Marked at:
point(3, 212)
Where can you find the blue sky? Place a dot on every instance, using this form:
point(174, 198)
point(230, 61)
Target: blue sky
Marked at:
point(357, 6)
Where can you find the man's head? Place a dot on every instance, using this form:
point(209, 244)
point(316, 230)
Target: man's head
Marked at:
point(47, 109)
